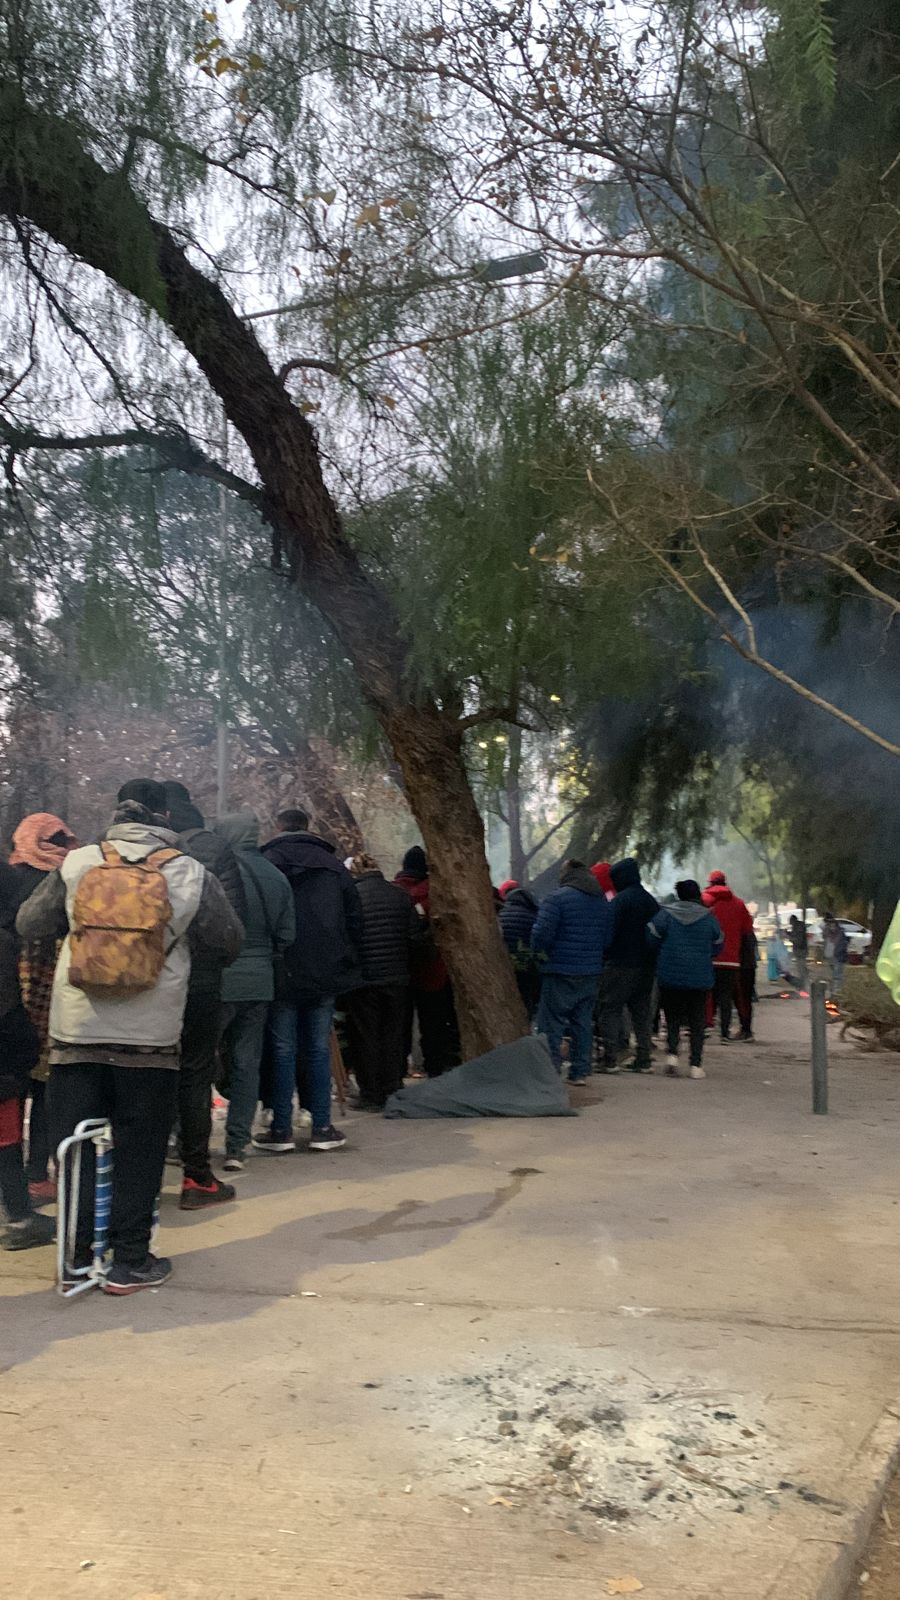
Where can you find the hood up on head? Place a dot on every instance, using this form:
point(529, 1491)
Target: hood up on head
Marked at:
point(32, 844)
point(240, 829)
point(601, 871)
point(625, 874)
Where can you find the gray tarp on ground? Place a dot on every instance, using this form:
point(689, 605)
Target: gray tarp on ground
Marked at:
point(516, 1080)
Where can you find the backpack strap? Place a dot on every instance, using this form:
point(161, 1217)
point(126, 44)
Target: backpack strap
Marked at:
point(158, 858)
point(110, 854)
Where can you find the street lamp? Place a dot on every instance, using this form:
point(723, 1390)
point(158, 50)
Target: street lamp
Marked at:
point(496, 270)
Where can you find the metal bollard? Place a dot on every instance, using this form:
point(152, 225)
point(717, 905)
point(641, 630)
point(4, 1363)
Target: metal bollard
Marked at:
point(819, 1047)
point(95, 1131)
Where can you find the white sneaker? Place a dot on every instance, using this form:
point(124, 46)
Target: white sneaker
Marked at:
point(672, 1062)
point(698, 1072)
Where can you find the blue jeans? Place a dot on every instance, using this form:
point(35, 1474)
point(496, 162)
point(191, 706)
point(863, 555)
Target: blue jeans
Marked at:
point(567, 1007)
point(304, 1029)
point(243, 1030)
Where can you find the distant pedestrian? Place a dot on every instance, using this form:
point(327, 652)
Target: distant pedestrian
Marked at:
point(41, 843)
point(798, 938)
point(248, 984)
point(376, 1013)
point(629, 968)
point(685, 937)
point(569, 938)
point(735, 921)
point(518, 915)
point(132, 908)
point(836, 947)
point(323, 963)
point(432, 991)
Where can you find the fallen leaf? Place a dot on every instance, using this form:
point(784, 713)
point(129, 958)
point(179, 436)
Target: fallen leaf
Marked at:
point(626, 1585)
point(500, 1500)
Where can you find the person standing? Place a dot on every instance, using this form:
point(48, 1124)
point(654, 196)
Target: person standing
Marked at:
point(41, 843)
point(799, 942)
point(127, 907)
point(836, 947)
point(569, 937)
point(202, 1014)
point(685, 937)
point(432, 991)
point(735, 921)
point(19, 1052)
point(324, 961)
point(628, 969)
point(518, 915)
point(376, 1013)
point(248, 984)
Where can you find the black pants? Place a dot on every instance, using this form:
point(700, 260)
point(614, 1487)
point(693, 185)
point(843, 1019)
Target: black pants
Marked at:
point(14, 1184)
point(375, 1020)
point(199, 1046)
point(725, 989)
point(621, 987)
point(685, 1007)
point(528, 981)
point(438, 1028)
point(139, 1103)
point(743, 996)
point(38, 1134)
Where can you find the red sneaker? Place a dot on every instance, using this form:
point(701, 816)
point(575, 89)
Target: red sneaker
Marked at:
point(196, 1196)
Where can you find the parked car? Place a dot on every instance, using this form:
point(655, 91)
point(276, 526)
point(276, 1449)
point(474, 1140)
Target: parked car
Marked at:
point(859, 939)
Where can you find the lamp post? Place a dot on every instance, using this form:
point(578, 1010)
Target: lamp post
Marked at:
point(496, 270)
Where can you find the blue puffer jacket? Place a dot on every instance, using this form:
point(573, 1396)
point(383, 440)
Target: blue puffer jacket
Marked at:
point(518, 915)
point(573, 927)
point(687, 937)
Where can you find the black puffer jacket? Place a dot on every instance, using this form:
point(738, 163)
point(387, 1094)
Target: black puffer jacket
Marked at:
point(391, 929)
point(219, 859)
point(632, 909)
point(326, 957)
point(518, 915)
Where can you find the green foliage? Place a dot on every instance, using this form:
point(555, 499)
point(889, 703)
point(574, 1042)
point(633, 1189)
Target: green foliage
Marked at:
point(803, 54)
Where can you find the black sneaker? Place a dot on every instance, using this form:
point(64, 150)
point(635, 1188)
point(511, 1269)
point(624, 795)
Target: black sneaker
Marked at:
point(28, 1235)
point(122, 1279)
point(196, 1196)
point(327, 1139)
point(747, 1036)
point(276, 1141)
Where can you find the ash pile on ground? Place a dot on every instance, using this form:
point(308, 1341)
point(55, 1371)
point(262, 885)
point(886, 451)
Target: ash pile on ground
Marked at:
point(613, 1451)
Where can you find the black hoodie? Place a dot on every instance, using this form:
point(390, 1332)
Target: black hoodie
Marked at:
point(326, 957)
point(632, 909)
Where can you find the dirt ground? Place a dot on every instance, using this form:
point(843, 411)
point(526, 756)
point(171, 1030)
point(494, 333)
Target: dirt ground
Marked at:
point(878, 1575)
point(655, 1344)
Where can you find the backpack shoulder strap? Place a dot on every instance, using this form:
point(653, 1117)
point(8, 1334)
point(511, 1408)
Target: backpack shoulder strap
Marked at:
point(110, 854)
point(158, 858)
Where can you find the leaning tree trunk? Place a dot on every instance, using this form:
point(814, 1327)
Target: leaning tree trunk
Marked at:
point(48, 178)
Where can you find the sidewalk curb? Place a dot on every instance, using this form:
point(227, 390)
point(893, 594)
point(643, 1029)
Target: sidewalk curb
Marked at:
point(829, 1574)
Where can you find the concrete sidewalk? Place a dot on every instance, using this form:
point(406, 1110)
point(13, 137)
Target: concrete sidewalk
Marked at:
point(503, 1360)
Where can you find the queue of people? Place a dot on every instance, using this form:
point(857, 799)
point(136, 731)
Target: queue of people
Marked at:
point(140, 970)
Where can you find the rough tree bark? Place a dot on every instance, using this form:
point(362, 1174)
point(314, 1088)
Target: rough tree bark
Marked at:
point(49, 179)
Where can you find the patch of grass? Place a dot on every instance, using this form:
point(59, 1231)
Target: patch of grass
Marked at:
point(865, 997)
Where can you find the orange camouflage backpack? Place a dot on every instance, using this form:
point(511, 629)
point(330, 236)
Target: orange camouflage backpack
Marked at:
point(119, 918)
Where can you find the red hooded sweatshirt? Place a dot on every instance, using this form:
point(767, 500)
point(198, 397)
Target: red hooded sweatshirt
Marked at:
point(732, 916)
point(601, 871)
